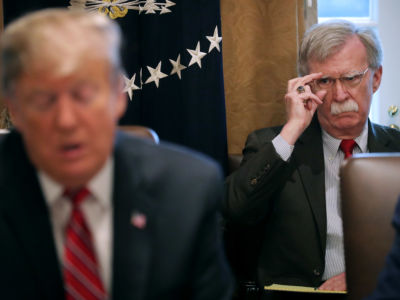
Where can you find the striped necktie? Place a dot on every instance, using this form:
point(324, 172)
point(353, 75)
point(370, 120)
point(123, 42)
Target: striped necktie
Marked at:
point(81, 273)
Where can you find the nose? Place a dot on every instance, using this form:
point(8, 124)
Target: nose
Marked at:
point(339, 91)
point(66, 117)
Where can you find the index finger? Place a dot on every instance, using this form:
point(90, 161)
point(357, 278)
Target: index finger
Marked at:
point(310, 77)
point(293, 84)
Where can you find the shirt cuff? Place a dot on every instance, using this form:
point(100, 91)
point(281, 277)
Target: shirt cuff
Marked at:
point(282, 147)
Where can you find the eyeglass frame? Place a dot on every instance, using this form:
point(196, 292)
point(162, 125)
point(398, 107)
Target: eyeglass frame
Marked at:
point(341, 79)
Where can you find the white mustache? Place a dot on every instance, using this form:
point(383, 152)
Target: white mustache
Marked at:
point(341, 107)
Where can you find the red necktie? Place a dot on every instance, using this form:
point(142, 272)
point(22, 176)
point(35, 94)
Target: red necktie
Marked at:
point(81, 274)
point(347, 147)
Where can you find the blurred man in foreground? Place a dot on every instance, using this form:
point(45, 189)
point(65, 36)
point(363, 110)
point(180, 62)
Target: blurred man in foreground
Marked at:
point(87, 212)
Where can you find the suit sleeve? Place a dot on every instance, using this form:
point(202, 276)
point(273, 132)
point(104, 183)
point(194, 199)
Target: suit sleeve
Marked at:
point(250, 190)
point(388, 286)
point(212, 276)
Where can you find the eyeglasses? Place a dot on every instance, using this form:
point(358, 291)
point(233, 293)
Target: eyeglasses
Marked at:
point(350, 80)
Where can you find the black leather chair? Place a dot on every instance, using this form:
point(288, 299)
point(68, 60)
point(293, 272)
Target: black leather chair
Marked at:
point(141, 131)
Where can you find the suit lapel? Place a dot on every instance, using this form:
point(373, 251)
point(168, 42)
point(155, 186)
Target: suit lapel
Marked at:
point(132, 225)
point(28, 217)
point(309, 159)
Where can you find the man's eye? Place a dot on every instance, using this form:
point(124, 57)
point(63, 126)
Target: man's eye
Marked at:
point(324, 81)
point(84, 93)
point(351, 78)
point(42, 101)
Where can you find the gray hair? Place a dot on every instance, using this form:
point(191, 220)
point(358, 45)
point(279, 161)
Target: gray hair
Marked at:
point(57, 41)
point(325, 39)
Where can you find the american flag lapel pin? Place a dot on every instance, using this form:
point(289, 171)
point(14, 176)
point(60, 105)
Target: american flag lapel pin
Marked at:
point(138, 220)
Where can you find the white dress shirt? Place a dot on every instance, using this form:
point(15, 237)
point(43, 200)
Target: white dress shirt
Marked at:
point(97, 209)
point(333, 158)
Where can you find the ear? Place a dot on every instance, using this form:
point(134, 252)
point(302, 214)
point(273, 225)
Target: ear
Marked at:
point(376, 79)
point(121, 100)
point(121, 105)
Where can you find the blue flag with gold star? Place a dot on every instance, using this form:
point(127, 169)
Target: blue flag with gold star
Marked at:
point(172, 54)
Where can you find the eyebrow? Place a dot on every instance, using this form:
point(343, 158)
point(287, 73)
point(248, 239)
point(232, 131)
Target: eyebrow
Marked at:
point(353, 73)
point(348, 74)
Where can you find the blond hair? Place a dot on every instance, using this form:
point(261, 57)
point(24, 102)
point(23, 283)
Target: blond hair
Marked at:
point(57, 41)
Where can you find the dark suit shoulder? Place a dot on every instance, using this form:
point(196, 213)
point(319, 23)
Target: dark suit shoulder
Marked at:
point(13, 158)
point(164, 155)
point(168, 169)
point(387, 131)
point(383, 139)
point(266, 134)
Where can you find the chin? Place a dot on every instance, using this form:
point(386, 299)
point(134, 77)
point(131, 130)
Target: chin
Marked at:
point(347, 117)
point(347, 123)
point(72, 175)
point(73, 180)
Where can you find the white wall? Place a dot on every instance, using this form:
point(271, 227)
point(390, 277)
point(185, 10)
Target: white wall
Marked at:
point(389, 32)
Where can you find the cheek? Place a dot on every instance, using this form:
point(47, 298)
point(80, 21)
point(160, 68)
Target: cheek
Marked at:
point(364, 107)
point(37, 130)
point(40, 146)
point(99, 128)
point(364, 98)
point(32, 126)
point(326, 105)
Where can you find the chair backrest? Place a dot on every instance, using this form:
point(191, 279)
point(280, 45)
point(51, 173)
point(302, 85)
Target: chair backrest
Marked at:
point(370, 186)
point(141, 131)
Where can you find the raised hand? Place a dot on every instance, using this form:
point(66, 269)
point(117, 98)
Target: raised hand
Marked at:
point(301, 104)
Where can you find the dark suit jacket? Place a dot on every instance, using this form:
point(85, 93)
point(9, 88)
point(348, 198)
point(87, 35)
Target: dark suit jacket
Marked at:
point(178, 255)
point(388, 287)
point(285, 202)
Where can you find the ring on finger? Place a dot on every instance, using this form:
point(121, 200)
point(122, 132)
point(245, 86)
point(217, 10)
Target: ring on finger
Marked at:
point(300, 89)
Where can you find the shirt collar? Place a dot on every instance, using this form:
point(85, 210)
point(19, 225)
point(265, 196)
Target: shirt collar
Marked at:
point(100, 185)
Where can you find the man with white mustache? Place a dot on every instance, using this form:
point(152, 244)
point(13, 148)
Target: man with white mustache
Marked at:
point(287, 186)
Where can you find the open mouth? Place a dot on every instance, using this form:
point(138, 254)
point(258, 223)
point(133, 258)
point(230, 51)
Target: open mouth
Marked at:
point(72, 150)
